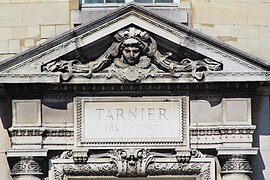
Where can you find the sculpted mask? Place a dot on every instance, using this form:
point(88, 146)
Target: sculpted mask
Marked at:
point(131, 50)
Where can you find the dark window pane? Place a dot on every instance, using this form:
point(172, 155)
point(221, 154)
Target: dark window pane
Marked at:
point(94, 1)
point(163, 1)
point(143, 1)
point(115, 1)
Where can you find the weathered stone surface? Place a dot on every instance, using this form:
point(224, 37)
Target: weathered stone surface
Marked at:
point(219, 13)
point(29, 42)
point(4, 46)
point(62, 28)
point(33, 31)
point(19, 32)
point(197, 107)
point(47, 31)
point(5, 33)
point(4, 170)
point(57, 113)
point(41, 13)
point(14, 46)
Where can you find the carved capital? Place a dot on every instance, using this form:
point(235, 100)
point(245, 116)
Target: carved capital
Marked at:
point(26, 166)
point(236, 164)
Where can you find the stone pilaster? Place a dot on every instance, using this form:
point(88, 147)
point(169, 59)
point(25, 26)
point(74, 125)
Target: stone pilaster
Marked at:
point(26, 169)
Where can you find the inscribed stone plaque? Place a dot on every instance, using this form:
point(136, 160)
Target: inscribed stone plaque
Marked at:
point(130, 121)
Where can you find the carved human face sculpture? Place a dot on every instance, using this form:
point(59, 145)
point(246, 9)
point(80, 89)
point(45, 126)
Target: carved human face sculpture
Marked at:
point(131, 51)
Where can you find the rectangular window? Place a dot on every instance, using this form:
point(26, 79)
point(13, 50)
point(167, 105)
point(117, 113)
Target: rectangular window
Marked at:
point(88, 3)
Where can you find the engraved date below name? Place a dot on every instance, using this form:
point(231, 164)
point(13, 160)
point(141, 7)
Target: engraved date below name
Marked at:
point(136, 128)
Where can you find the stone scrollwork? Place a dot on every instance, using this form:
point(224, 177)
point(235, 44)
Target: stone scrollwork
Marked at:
point(132, 163)
point(132, 57)
point(197, 154)
point(66, 155)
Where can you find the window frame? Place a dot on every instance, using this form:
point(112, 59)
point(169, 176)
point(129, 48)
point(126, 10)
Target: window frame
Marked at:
point(175, 3)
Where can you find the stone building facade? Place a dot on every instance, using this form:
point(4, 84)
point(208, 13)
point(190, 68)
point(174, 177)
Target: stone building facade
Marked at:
point(85, 89)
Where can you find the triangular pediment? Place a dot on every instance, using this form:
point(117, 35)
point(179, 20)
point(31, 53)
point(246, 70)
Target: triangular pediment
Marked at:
point(132, 45)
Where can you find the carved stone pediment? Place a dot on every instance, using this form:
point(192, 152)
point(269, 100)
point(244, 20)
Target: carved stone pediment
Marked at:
point(132, 45)
point(133, 57)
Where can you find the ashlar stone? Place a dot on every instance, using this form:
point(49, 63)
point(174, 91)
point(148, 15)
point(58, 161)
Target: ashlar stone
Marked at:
point(33, 31)
point(47, 31)
point(5, 33)
point(19, 32)
point(14, 46)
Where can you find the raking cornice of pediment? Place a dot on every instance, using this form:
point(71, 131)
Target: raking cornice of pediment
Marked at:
point(132, 45)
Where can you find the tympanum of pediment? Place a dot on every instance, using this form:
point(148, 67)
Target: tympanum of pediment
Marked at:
point(133, 57)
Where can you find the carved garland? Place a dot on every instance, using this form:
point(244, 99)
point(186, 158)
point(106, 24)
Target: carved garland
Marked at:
point(93, 169)
point(132, 163)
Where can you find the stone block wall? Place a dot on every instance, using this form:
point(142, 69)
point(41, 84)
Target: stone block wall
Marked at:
point(24, 24)
point(244, 24)
point(240, 23)
point(27, 23)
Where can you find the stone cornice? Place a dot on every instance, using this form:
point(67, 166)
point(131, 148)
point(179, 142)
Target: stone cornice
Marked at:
point(69, 132)
point(41, 131)
point(230, 89)
point(221, 130)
